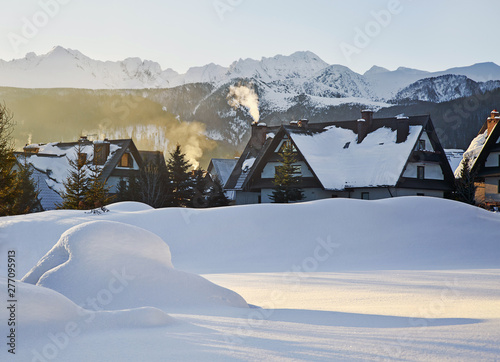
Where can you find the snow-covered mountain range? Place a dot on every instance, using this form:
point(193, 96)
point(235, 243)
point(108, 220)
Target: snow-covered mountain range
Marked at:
point(281, 77)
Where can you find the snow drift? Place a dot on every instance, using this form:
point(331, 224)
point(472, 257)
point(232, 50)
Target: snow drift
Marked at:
point(399, 233)
point(45, 309)
point(110, 265)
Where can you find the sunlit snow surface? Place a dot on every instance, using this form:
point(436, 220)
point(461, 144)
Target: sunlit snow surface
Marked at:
point(402, 279)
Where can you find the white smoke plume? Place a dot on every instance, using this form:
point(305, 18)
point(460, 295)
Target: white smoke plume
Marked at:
point(244, 96)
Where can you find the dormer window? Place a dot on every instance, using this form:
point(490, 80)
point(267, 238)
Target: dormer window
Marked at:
point(126, 161)
point(421, 145)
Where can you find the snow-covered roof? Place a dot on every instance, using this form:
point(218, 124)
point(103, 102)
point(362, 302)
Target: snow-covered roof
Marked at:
point(454, 157)
point(473, 151)
point(222, 168)
point(340, 162)
point(334, 155)
point(48, 197)
point(51, 164)
point(248, 164)
point(52, 160)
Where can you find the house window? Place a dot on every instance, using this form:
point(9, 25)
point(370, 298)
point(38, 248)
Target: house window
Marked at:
point(421, 145)
point(498, 191)
point(126, 161)
point(122, 185)
point(365, 196)
point(420, 172)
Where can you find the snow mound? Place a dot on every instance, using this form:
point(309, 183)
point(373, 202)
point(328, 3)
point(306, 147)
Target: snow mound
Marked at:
point(46, 310)
point(111, 265)
point(129, 206)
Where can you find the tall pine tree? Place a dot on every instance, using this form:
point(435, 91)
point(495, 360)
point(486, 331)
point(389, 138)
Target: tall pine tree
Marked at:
point(464, 185)
point(181, 190)
point(27, 199)
point(8, 189)
point(76, 184)
point(286, 181)
point(199, 197)
point(154, 183)
point(97, 194)
point(216, 195)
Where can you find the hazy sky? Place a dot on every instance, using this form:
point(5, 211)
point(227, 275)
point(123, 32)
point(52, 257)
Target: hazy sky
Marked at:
point(424, 34)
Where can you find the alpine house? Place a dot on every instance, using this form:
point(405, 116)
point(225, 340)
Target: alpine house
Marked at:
point(118, 159)
point(368, 158)
point(484, 157)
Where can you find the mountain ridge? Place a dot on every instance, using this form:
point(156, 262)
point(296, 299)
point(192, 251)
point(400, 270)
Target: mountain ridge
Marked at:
point(69, 68)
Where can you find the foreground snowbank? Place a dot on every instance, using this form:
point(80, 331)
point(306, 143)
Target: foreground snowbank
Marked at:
point(305, 315)
point(326, 235)
point(111, 265)
point(45, 309)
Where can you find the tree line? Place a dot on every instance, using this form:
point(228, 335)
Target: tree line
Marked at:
point(172, 184)
point(158, 184)
point(18, 193)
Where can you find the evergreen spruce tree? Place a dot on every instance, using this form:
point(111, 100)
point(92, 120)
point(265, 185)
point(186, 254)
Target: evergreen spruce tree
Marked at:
point(27, 200)
point(464, 185)
point(286, 182)
point(97, 194)
point(153, 186)
point(200, 197)
point(180, 184)
point(122, 191)
point(216, 195)
point(76, 184)
point(8, 190)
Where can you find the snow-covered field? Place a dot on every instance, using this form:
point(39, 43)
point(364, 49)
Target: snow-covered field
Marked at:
point(411, 278)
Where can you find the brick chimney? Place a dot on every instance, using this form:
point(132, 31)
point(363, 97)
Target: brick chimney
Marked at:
point(493, 120)
point(29, 149)
point(101, 152)
point(259, 132)
point(367, 115)
point(364, 124)
point(402, 129)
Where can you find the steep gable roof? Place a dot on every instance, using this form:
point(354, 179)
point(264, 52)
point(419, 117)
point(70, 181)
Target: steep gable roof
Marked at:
point(51, 160)
point(479, 149)
point(339, 161)
point(245, 166)
point(221, 168)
